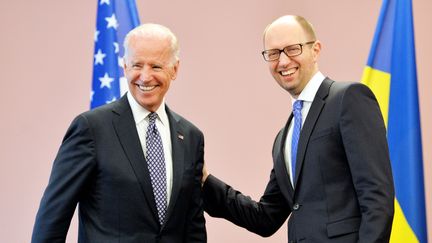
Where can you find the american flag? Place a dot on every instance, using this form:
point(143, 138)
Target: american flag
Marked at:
point(115, 18)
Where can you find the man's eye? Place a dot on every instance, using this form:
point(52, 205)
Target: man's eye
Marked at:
point(293, 50)
point(273, 54)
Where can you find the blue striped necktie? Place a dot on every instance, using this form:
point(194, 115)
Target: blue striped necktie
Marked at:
point(298, 105)
point(156, 166)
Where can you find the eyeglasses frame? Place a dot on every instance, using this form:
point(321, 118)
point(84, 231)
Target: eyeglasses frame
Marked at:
point(283, 50)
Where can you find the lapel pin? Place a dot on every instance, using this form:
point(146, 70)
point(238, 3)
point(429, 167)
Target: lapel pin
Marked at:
point(181, 136)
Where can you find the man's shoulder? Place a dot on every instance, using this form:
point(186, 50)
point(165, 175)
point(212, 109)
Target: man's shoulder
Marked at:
point(344, 92)
point(345, 84)
point(182, 121)
point(95, 113)
point(102, 113)
point(341, 87)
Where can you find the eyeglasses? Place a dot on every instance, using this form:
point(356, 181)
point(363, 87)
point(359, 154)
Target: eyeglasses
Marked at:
point(290, 51)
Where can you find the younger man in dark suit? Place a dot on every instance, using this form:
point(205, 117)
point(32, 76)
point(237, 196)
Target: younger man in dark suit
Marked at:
point(133, 166)
point(331, 170)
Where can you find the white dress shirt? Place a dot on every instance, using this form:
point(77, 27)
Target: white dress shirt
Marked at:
point(140, 115)
point(307, 95)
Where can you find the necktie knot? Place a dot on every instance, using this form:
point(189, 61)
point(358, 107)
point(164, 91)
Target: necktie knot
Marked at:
point(298, 105)
point(152, 118)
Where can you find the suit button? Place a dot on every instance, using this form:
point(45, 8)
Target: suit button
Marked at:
point(296, 206)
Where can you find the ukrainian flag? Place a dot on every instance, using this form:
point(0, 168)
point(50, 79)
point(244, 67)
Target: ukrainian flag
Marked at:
point(391, 74)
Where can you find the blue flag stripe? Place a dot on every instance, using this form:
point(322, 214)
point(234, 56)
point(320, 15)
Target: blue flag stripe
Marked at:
point(382, 43)
point(404, 132)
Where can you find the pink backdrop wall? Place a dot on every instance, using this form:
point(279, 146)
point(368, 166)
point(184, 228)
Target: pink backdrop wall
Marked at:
point(223, 86)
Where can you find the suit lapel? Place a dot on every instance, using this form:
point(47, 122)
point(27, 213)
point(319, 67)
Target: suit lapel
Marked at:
point(126, 131)
point(281, 169)
point(177, 143)
point(309, 124)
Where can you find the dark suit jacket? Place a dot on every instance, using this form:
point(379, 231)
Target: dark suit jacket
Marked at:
point(344, 187)
point(101, 166)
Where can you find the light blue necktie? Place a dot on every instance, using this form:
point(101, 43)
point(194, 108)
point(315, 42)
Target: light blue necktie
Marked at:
point(298, 104)
point(156, 166)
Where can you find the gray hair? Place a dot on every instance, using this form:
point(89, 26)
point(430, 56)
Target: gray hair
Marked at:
point(156, 30)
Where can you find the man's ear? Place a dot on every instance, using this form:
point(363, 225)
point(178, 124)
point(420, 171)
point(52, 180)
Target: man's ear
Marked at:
point(316, 50)
point(124, 64)
point(175, 70)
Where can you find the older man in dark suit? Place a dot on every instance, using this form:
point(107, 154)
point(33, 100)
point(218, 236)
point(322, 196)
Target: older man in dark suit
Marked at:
point(134, 166)
point(331, 170)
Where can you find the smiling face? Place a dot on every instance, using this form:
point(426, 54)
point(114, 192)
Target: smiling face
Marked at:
point(149, 69)
point(291, 73)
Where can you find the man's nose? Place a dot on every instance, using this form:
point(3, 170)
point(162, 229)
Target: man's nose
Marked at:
point(284, 59)
point(146, 74)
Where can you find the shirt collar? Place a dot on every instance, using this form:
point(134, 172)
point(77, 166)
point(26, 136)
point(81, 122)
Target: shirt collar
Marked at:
point(311, 88)
point(140, 113)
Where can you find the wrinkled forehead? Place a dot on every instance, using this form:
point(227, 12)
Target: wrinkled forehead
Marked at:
point(149, 48)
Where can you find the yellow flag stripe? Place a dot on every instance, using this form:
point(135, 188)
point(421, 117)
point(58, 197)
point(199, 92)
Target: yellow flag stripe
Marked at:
point(401, 231)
